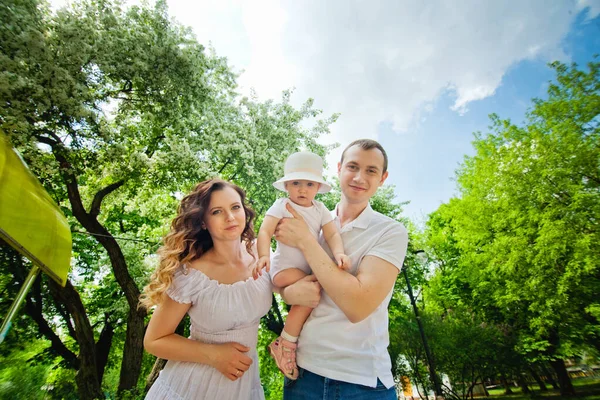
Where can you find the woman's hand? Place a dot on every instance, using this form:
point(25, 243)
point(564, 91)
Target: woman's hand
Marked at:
point(305, 292)
point(230, 359)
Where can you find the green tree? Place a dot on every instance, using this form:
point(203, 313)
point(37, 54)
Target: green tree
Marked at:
point(523, 236)
point(118, 111)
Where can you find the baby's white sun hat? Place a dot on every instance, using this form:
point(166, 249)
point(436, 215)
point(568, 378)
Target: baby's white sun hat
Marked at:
point(303, 165)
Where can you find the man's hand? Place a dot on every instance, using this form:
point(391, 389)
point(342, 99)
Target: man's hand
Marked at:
point(293, 231)
point(305, 292)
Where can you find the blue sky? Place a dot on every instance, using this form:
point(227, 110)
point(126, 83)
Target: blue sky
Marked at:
point(423, 174)
point(419, 76)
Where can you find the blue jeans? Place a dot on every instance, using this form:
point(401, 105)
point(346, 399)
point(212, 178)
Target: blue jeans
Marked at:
point(311, 386)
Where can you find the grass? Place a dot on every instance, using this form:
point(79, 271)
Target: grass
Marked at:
point(585, 388)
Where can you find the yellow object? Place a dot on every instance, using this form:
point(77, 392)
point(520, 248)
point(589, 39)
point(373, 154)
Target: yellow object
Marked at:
point(406, 387)
point(30, 221)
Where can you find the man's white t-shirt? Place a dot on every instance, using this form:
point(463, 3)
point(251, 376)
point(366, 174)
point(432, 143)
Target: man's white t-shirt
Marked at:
point(332, 346)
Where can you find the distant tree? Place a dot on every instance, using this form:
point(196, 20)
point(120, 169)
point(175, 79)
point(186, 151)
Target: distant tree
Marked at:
point(118, 111)
point(523, 238)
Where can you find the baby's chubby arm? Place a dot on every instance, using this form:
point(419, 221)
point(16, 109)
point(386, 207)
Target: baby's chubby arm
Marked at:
point(266, 232)
point(334, 241)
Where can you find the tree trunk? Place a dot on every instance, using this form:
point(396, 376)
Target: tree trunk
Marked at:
point(418, 379)
point(487, 394)
point(273, 319)
point(103, 347)
point(88, 384)
point(133, 349)
point(566, 387)
point(159, 364)
point(507, 389)
point(33, 307)
point(538, 380)
point(549, 376)
point(523, 384)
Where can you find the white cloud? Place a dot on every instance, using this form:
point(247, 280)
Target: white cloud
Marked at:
point(217, 23)
point(380, 61)
point(388, 60)
point(592, 5)
point(265, 22)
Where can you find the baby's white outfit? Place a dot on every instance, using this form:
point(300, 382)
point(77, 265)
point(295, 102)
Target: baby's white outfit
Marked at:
point(316, 216)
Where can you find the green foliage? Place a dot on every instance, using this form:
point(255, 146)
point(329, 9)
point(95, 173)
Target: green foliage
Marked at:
point(270, 376)
point(20, 377)
point(406, 347)
point(61, 384)
point(467, 350)
point(518, 250)
point(119, 111)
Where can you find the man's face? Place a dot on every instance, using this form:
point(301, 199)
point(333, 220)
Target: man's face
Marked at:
point(361, 173)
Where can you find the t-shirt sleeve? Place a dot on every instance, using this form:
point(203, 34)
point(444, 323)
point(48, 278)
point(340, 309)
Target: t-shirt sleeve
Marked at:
point(325, 214)
point(278, 209)
point(183, 287)
point(392, 246)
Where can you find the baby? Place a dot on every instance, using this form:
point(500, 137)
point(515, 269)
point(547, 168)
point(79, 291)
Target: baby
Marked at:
point(302, 181)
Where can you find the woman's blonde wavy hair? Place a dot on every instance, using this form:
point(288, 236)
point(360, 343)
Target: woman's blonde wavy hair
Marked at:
point(187, 241)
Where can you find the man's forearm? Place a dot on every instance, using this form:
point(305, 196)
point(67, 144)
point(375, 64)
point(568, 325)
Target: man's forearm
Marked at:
point(344, 288)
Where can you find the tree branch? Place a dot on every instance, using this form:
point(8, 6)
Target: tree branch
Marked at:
point(154, 145)
point(87, 376)
point(224, 165)
point(64, 313)
point(66, 171)
point(133, 349)
point(46, 140)
point(33, 307)
point(592, 178)
point(103, 346)
point(273, 319)
point(95, 207)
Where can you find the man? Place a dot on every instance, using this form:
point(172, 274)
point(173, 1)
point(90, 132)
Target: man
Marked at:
point(342, 350)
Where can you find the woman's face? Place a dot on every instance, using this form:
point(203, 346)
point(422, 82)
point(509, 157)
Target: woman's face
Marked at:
point(225, 218)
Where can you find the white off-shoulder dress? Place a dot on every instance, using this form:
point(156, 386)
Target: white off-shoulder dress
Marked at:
point(220, 313)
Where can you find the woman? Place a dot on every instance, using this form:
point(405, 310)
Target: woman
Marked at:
point(205, 271)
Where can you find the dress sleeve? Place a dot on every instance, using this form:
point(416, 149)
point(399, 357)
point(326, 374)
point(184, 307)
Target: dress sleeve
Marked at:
point(391, 246)
point(278, 209)
point(184, 287)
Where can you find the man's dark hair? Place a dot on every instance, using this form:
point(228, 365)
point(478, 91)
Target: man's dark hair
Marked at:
point(368, 144)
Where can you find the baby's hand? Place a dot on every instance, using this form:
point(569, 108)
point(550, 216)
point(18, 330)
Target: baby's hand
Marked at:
point(263, 262)
point(343, 261)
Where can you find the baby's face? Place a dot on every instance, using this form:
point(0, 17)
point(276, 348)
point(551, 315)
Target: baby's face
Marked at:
point(302, 192)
